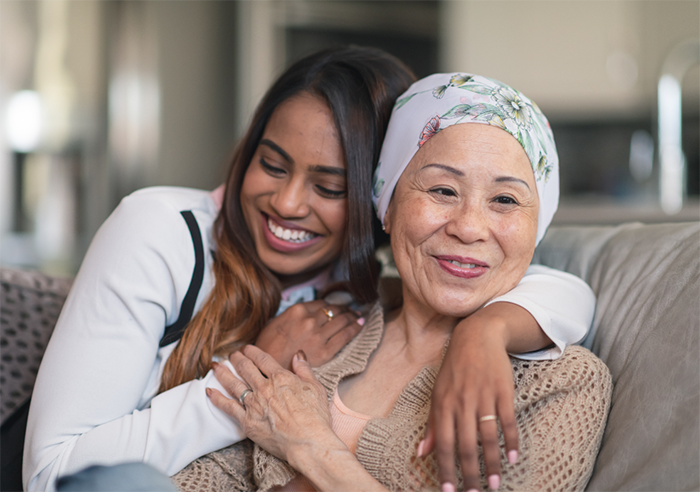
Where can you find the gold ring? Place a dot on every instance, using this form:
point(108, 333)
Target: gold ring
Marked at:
point(328, 313)
point(486, 418)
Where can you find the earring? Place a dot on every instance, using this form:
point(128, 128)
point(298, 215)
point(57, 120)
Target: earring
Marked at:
point(383, 227)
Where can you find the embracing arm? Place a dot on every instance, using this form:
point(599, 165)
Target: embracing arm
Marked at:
point(548, 310)
point(101, 368)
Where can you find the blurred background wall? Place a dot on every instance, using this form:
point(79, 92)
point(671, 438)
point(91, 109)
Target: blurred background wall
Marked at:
point(100, 98)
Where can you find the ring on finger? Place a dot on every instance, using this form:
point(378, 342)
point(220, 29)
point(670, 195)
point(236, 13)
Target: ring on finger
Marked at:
point(486, 418)
point(241, 398)
point(328, 313)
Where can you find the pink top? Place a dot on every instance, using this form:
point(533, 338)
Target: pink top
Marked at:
point(348, 425)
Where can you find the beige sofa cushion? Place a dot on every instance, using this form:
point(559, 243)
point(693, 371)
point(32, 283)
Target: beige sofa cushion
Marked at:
point(647, 280)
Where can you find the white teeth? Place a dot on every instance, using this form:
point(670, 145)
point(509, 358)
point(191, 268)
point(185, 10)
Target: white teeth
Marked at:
point(292, 235)
point(463, 265)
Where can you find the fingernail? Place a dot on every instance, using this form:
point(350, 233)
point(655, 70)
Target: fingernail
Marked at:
point(472, 490)
point(421, 445)
point(208, 391)
point(448, 487)
point(214, 365)
point(361, 321)
point(302, 356)
point(512, 456)
point(494, 482)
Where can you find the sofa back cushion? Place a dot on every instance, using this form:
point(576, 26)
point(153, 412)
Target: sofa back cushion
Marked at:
point(30, 304)
point(646, 329)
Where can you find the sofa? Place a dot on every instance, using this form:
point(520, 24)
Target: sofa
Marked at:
point(646, 329)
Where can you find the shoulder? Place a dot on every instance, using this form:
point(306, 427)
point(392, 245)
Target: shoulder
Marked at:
point(577, 372)
point(167, 201)
point(153, 216)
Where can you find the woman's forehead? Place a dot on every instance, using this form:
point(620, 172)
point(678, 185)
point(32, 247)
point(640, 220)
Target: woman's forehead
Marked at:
point(468, 146)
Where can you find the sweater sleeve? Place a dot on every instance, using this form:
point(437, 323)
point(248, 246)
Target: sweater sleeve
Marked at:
point(92, 402)
point(562, 304)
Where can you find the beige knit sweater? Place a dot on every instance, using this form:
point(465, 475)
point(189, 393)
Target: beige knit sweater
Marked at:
point(561, 408)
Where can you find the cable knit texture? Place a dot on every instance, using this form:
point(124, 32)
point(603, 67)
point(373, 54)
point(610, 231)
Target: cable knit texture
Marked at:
point(561, 408)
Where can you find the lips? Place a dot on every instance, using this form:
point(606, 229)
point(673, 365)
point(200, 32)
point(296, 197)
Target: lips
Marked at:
point(462, 267)
point(285, 237)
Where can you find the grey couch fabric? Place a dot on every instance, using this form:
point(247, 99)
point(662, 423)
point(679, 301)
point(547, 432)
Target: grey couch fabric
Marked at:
point(646, 329)
point(30, 303)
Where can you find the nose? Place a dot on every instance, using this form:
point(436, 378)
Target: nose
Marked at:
point(468, 223)
point(291, 200)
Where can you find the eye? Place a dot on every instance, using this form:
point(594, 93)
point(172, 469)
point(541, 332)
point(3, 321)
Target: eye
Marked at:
point(273, 170)
point(505, 200)
point(330, 193)
point(443, 191)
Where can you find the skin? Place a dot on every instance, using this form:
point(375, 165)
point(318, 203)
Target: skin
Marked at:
point(469, 193)
point(297, 178)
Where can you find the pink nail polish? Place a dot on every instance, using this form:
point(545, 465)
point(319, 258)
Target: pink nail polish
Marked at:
point(448, 487)
point(472, 490)
point(421, 445)
point(494, 482)
point(512, 456)
point(361, 321)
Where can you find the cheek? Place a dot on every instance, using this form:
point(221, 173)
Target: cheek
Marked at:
point(517, 238)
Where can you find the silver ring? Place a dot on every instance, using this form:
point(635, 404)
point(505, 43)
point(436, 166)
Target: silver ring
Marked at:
point(241, 398)
point(486, 418)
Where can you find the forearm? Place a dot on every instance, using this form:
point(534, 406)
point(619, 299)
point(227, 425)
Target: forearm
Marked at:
point(513, 325)
point(330, 466)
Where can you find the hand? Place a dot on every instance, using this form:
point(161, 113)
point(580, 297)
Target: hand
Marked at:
point(475, 380)
point(285, 412)
point(305, 326)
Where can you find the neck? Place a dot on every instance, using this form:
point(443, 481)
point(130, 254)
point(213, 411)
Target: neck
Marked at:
point(421, 328)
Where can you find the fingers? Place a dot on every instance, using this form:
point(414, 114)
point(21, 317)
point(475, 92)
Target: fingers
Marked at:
point(302, 368)
point(329, 313)
point(344, 332)
point(264, 363)
point(228, 406)
point(247, 369)
point(509, 427)
point(227, 379)
point(444, 426)
point(488, 429)
point(426, 446)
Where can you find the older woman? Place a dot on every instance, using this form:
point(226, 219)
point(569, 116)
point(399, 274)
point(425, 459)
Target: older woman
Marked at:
point(465, 205)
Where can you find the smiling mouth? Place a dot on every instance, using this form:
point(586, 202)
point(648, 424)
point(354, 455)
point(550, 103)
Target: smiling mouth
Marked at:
point(463, 265)
point(292, 235)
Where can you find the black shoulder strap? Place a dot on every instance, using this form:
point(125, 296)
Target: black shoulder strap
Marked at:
point(174, 332)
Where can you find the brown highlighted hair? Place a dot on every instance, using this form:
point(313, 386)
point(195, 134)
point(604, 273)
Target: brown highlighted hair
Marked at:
point(360, 86)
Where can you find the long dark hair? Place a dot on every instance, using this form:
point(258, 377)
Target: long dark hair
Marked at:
point(360, 86)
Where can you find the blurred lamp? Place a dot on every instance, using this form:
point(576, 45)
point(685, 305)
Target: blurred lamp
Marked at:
point(24, 121)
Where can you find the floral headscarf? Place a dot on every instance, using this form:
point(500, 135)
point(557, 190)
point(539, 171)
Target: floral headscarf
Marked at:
point(445, 99)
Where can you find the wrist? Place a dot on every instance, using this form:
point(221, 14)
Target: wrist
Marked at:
point(327, 463)
point(486, 323)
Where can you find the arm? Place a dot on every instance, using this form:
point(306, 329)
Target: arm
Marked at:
point(476, 380)
point(287, 414)
point(101, 368)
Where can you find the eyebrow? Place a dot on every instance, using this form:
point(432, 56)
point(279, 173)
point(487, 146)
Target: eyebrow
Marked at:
point(337, 171)
point(506, 179)
point(446, 168)
point(278, 149)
